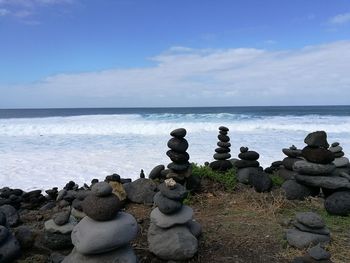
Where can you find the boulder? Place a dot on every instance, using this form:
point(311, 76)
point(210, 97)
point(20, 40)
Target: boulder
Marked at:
point(305, 167)
point(166, 205)
point(101, 208)
point(338, 203)
point(12, 216)
point(318, 155)
point(295, 191)
point(317, 139)
point(260, 181)
point(141, 191)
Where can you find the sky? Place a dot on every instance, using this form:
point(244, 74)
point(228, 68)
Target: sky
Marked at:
point(168, 53)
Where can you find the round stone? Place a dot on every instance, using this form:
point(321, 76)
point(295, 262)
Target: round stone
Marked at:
point(341, 162)
point(223, 132)
point(318, 155)
point(317, 139)
point(166, 205)
point(336, 149)
point(249, 156)
point(335, 144)
point(288, 162)
point(156, 172)
point(178, 144)
point(179, 192)
point(101, 208)
point(102, 189)
point(310, 219)
point(224, 144)
point(165, 221)
point(338, 154)
point(178, 133)
point(243, 164)
point(243, 149)
point(293, 153)
point(222, 156)
point(304, 167)
point(92, 237)
point(223, 138)
point(179, 167)
point(178, 157)
point(222, 150)
point(338, 203)
point(223, 128)
point(221, 166)
point(61, 218)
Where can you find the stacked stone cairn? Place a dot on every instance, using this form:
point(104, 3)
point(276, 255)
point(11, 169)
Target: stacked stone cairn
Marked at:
point(222, 153)
point(58, 230)
point(308, 229)
point(173, 233)
point(10, 248)
point(104, 234)
point(293, 155)
point(340, 161)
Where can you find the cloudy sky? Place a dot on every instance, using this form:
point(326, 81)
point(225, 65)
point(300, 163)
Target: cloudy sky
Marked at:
point(136, 53)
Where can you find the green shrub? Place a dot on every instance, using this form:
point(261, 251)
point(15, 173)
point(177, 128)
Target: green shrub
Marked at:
point(277, 180)
point(227, 179)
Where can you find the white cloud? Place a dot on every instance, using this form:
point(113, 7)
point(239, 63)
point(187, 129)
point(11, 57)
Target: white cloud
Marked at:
point(199, 77)
point(340, 19)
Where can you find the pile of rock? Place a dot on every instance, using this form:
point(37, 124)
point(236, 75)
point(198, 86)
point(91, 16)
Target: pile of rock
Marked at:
point(173, 233)
point(293, 155)
point(308, 229)
point(247, 165)
point(104, 234)
point(314, 255)
point(58, 230)
point(222, 153)
point(340, 161)
point(9, 246)
point(11, 197)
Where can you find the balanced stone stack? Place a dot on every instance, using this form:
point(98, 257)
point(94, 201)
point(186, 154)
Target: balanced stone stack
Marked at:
point(9, 246)
point(173, 233)
point(314, 254)
point(308, 229)
point(340, 161)
point(58, 230)
point(104, 234)
point(247, 165)
point(293, 155)
point(222, 153)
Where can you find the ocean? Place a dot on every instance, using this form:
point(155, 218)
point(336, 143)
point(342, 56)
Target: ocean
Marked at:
point(43, 148)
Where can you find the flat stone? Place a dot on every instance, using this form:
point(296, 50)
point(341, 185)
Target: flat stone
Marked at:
point(335, 149)
point(178, 145)
point(178, 157)
point(10, 249)
point(318, 253)
point(300, 239)
point(177, 193)
point(61, 218)
point(222, 150)
point(221, 166)
point(94, 237)
point(321, 231)
point(288, 162)
point(156, 172)
point(338, 203)
point(166, 205)
point(295, 191)
point(141, 191)
point(341, 162)
point(304, 167)
point(223, 138)
point(179, 167)
point(176, 243)
point(52, 227)
point(165, 221)
point(223, 128)
point(101, 208)
point(292, 153)
point(317, 139)
point(224, 144)
point(310, 219)
point(317, 155)
point(124, 254)
point(249, 156)
point(102, 189)
point(338, 154)
point(329, 182)
point(178, 133)
point(244, 164)
point(222, 156)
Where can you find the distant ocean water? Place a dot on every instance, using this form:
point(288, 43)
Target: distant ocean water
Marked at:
point(43, 148)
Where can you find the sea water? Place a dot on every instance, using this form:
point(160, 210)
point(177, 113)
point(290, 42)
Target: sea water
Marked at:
point(44, 148)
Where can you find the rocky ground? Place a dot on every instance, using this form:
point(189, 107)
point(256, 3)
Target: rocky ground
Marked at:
point(238, 226)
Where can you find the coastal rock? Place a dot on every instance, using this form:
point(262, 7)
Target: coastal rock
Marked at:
point(61, 218)
point(176, 243)
point(338, 203)
point(4, 233)
point(304, 167)
point(288, 162)
point(12, 216)
point(179, 167)
point(244, 164)
point(223, 144)
point(286, 174)
point(222, 156)
point(318, 253)
point(52, 227)
point(321, 231)
point(101, 189)
point(141, 191)
point(106, 235)
point(165, 221)
point(194, 227)
point(3, 220)
point(328, 182)
point(118, 190)
point(335, 149)
point(9, 249)
point(318, 155)
point(292, 153)
point(178, 192)
point(249, 156)
point(295, 191)
point(178, 133)
point(77, 213)
point(222, 165)
point(341, 162)
point(317, 139)
point(310, 219)
point(244, 173)
point(178, 145)
point(178, 157)
point(166, 205)
point(222, 150)
point(121, 255)
point(260, 181)
point(25, 237)
point(300, 239)
point(101, 208)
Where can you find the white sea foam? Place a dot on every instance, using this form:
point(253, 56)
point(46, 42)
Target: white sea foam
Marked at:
point(46, 152)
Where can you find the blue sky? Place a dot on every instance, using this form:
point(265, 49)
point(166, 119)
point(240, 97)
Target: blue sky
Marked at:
point(75, 53)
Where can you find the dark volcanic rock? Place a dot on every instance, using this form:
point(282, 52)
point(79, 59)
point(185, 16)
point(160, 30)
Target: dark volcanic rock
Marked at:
point(25, 237)
point(101, 208)
point(166, 205)
point(12, 216)
point(179, 167)
point(178, 133)
point(222, 150)
point(61, 218)
point(292, 153)
point(318, 155)
point(317, 139)
point(223, 128)
point(249, 156)
point(329, 182)
point(224, 144)
point(260, 181)
point(288, 162)
point(57, 241)
point(295, 191)
point(9, 249)
point(223, 165)
point(338, 203)
point(141, 191)
point(243, 164)
point(178, 157)
point(222, 156)
point(223, 138)
point(156, 172)
point(178, 145)
point(177, 193)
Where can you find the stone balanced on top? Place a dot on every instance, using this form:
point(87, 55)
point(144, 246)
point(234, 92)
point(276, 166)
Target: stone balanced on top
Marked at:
point(104, 234)
point(172, 232)
point(180, 168)
point(222, 153)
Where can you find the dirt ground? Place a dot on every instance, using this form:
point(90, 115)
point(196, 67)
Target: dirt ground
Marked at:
point(240, 226)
